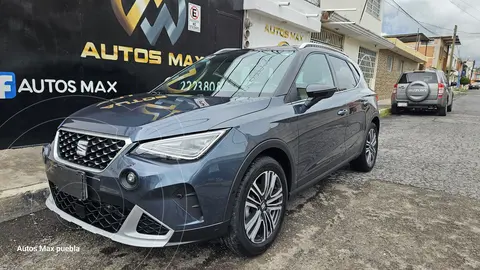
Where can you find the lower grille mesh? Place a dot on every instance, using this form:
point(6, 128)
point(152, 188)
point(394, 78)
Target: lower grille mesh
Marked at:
point(147, 225)
point(101, 215)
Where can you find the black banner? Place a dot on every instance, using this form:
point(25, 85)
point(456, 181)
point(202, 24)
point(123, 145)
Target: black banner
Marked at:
point(57, 57)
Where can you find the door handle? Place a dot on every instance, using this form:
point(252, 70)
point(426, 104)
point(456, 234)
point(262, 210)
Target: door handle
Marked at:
point(342, 112)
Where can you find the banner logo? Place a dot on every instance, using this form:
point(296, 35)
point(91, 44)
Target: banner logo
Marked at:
point(164, 20)
point(8, 88)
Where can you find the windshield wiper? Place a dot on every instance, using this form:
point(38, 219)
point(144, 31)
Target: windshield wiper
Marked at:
point(229, 80)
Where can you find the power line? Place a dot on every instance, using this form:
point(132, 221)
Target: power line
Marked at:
point(468, 4)
point(398, 7)
point(451, 1)
point(450, 29)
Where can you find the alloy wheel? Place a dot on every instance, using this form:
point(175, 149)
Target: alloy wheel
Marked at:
point(371, 147)
point(263, 207)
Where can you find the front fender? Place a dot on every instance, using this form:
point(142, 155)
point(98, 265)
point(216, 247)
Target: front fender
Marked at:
point(252, 155)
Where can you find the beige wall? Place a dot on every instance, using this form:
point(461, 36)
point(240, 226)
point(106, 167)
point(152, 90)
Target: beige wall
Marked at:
point(385, 79)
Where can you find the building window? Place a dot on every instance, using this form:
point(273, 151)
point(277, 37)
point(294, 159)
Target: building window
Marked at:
point(329, 38)
point(400, 66)
point(390, 63)
point(366, 61)
point(373, 8)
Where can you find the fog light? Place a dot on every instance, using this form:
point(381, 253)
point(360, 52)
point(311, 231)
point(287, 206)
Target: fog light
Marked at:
point(131, 178)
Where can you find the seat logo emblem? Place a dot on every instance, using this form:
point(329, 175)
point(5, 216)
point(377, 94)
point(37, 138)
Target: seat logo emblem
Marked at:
point(131, 19)
point(82, 146)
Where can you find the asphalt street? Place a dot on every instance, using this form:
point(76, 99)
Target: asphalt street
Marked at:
point(418, 209)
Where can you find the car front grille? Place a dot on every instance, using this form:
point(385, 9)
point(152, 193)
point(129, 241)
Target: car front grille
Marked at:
point(101, 215)
point(98, 151)
point(147, 225)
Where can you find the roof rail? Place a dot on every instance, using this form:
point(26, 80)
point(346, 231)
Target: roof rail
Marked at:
point(320, 45)
point(226, 50)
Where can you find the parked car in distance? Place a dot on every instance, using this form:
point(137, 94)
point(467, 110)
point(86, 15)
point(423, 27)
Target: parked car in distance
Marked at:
point(216, 150)
point(423, 89)
point(474, 85)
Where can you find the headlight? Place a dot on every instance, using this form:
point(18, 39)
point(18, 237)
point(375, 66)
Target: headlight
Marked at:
point(187, 147)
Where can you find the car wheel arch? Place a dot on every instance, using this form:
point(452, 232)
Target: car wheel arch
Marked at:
point(265, 148)
point(376, 120)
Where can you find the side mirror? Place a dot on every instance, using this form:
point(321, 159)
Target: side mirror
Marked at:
point(453, 84)
point(319, 92)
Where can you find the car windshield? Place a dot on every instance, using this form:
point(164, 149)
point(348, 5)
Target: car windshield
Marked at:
point(428, 77)
point(240, 73)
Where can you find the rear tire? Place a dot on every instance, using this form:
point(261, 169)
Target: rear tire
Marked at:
point(449, 108)
point(267, 209)
point(367, 159)
point(394, 110)
point(442, 111)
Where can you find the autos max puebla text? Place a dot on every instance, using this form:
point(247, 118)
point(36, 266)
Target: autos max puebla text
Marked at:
point(138, 55)
point(43, 248)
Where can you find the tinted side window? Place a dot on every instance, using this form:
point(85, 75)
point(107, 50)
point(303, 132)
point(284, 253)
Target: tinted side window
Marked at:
point(355, 72)
point(344, 74)
point(315, 70)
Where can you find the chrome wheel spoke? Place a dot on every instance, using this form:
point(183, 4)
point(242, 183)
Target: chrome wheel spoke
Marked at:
point(255, 189)
point(274, 200)
point(371, 147)
point(256, 228)
point(263, 207)
point(373, 142)
point(270, 184)
point(253, 221)
point(269, 223)
point(255, 199)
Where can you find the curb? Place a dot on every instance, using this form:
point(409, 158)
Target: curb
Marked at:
point(22, 201)
point(384, 112)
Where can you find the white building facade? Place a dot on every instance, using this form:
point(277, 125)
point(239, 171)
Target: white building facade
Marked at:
point(357, 33)
point(274, 22)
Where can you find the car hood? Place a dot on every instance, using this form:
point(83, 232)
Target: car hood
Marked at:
point(148, 116)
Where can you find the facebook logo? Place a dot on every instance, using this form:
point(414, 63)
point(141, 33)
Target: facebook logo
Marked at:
point(8, 86)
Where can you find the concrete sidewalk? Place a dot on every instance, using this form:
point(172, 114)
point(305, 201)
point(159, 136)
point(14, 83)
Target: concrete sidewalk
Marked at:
point(23, 184)
point(384, 104)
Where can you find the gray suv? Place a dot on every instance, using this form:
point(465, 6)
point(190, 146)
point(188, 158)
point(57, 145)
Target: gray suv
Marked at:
point(424, 89)
point(216, 150)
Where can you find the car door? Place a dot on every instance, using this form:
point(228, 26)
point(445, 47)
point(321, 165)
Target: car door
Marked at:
point(321, 127)
point(348, 78)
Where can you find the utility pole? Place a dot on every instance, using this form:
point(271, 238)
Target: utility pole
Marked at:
point(473, 68)
point(418, 40)
point(453, 50)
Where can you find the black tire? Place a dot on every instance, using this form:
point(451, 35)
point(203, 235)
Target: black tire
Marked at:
point(442, 111)
point(361, 163)
point(237, 239)
point(394, 110)
point(450, 107)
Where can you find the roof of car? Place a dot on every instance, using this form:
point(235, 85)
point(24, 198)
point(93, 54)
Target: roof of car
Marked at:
point(303, 46)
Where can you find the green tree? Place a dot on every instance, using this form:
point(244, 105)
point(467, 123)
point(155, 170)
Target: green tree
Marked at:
point(464, 81)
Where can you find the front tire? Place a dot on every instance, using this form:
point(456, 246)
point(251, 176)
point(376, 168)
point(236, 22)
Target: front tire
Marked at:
point(449, 108)
point(259, 208)
point(367, 159)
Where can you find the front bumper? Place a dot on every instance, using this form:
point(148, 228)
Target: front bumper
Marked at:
point(188, 200)
point(128, 231)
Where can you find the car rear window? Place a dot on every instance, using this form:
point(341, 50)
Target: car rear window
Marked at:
point(428, 77)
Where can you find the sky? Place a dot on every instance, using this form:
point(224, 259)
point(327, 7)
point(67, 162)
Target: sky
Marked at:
point(436, 15)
